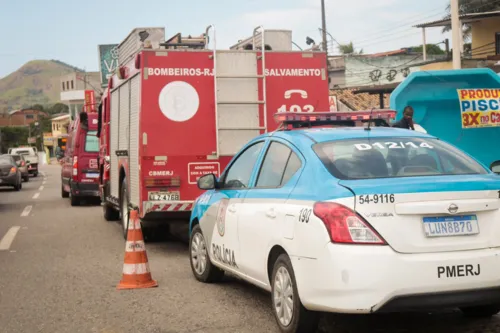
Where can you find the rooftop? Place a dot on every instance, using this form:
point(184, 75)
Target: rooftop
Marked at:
point(361, 98)
point(464, 18)
point(61, 117)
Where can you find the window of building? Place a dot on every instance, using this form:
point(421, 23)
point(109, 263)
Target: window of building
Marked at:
point(30, 116)
point(72, 85)
point(63, 86)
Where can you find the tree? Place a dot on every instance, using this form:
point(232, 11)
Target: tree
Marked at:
point(349, 49)
point(57, 108)
point(470, 6)
point(430, 49)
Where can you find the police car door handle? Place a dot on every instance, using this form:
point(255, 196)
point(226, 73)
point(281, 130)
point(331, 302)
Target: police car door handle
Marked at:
point(271, 214)
point(232, 209)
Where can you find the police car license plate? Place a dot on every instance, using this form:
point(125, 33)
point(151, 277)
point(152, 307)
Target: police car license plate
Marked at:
point(444, 226)
point(164, 196)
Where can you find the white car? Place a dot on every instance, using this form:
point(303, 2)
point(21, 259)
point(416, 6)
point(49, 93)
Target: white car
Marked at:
point(30, 155)
point(352, 220)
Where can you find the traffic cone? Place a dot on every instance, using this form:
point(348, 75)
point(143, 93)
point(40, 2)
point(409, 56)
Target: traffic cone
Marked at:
point(136, 273)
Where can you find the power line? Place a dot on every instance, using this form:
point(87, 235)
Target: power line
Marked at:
point(406, 24)
point(391, 39)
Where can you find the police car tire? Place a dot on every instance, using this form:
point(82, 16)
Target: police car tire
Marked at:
point(303, 320)
point(483, 311)
point(212, 273)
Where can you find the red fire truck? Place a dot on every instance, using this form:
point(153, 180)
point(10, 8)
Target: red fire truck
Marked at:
point(178, 109)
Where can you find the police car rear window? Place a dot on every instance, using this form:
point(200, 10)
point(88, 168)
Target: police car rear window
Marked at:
point(394, 157)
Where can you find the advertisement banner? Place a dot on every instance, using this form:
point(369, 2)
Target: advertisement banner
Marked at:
point(108, 61)
point(479, 107)
point(89, 105)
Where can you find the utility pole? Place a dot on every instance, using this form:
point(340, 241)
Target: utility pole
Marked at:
point(455, 33)
point(323, 25)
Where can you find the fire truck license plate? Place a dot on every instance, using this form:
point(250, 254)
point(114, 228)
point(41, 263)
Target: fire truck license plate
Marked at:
point(164, 196)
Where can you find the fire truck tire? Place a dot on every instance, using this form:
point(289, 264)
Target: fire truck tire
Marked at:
point(124, 210)
point(110, 214)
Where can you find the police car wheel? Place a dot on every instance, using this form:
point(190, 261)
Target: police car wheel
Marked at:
point(290, 314)
point(201, 266)
point(483, 311)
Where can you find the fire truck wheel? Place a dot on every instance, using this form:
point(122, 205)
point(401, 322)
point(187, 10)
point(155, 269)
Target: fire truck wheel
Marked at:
point(201, 266)
point(124, 211)
point(110, 214)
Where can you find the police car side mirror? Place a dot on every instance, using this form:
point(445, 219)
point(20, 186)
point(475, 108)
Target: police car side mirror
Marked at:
point(495, 167)
point(207, 182)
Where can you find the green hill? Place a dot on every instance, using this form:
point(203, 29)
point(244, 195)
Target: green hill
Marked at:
point(36, 82)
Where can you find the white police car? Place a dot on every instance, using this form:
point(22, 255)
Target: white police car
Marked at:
point(352, 220)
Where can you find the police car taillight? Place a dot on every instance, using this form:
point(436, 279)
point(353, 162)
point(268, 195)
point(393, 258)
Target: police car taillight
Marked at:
point(306, 118)
point(345, 226)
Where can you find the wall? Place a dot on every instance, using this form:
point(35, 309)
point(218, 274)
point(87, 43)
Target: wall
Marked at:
point(80, 81)
point(367, 71)
point(483, 33)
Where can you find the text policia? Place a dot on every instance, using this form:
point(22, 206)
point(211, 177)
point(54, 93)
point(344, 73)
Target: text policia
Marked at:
point(479, 107)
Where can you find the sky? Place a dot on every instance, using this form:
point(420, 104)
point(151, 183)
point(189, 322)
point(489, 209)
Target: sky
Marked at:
point(70, 31)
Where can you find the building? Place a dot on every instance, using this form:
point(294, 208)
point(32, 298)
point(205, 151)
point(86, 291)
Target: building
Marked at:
point(60, 125)
point(484, 50)
point(73, 87)
point(22, 117)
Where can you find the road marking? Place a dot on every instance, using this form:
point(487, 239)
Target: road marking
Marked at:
point(43, 183)
point(26, 211)
point(7, 240)
point(36, 195)
point(41, 188)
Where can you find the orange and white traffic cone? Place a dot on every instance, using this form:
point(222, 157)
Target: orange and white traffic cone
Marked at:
point(136, 273)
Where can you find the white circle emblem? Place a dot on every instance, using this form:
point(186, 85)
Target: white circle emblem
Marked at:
point(179, 101)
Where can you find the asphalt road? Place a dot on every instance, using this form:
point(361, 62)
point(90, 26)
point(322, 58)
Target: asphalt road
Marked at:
point(59, 274)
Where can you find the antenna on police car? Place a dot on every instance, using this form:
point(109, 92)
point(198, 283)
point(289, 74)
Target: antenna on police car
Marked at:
point(370, 120)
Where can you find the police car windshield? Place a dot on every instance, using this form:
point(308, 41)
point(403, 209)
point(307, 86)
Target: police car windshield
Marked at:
point(394, 157)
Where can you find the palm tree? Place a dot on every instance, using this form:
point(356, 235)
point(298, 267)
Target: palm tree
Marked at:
point(349, 49)
point(471, 6)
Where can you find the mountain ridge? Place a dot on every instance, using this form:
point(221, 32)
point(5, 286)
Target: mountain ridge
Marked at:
point(35, 82)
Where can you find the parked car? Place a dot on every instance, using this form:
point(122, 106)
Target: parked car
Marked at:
point(352, 220)
point(10, 174)
point(22, 165)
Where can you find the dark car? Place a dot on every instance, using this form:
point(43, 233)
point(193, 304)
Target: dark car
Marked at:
point(22, 164)
point(10, 174)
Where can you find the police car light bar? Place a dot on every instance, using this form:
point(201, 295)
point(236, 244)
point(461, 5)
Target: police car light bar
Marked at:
point(310, 118)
